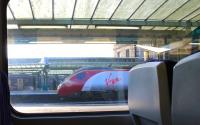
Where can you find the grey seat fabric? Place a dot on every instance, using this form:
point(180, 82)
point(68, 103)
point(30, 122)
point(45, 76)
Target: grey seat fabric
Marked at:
point(149, 94)
point(186, 91)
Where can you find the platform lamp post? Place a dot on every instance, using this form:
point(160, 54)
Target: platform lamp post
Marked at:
point(45, 77)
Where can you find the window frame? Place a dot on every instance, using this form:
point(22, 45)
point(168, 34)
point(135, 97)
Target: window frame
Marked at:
point(4, 68)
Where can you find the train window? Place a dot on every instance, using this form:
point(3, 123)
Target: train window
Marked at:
point(75, 55)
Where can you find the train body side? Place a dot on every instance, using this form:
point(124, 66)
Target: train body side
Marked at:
point(94, 80)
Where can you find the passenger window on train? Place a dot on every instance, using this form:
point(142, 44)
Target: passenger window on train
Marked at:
point(75, 55)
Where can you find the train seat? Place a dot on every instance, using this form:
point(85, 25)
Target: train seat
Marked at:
point(149, 93)
point(186, 91)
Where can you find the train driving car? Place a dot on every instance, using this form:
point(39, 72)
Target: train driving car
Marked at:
point(94, 79)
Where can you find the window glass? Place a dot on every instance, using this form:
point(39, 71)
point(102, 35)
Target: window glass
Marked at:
point(19, 6)
point(167, 9)
point(63, 8)
point(85, 8)
point(151, 6)
point(126, 9)
point(106, 8)
point(62, 60)
point(185, 10)
point(42, 9)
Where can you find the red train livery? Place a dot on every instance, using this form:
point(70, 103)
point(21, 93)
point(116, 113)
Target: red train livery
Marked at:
point(94, 79)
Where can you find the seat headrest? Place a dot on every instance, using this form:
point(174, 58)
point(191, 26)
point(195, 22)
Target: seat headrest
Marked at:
point(148, 92)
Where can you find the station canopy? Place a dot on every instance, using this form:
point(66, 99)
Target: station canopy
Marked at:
point(105, 14)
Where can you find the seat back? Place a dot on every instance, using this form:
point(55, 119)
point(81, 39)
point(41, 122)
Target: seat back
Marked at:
point(149, 93)
point(186, 91)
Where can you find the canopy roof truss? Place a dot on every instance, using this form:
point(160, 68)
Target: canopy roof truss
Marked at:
point(165, 13)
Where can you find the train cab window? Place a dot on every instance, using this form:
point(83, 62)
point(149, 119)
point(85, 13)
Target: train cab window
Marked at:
point(75, 55)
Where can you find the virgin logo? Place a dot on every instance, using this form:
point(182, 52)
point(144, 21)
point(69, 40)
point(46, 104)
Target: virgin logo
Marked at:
point(112, 81)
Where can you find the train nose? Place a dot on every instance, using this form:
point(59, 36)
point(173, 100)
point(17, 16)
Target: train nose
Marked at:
point(61, 90)
point(63, 85)
point(65, 89)
point(69, 88)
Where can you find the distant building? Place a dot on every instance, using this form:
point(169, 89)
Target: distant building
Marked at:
point(124, 51)
point(130, 50)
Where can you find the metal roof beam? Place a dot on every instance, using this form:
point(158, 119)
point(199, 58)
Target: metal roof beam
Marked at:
point(96, 33)
point(31, 9)
point(190, 14)
point(94, 12)
point(73, 13)
point(11, 12)
point(195, 16)
point(74, 9)
point(115, 10)
point(106, 22)
point(53, 16)
point(176, 10)
point(156, 9)
point(136, 10)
